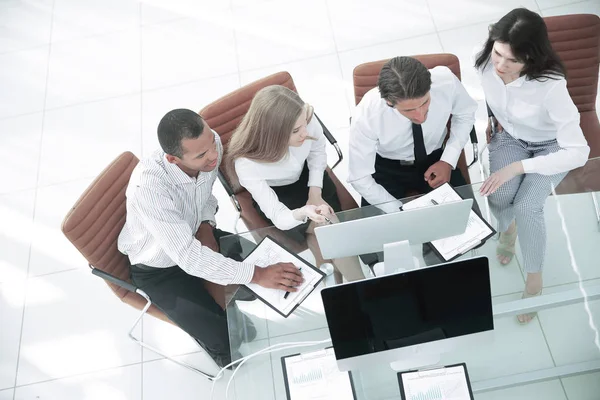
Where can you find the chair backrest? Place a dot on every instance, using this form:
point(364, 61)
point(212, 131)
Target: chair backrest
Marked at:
point(576, 39)
point(93, 224)
point(365, 75)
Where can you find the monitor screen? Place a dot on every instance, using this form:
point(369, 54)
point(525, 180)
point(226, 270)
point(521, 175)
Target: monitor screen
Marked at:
point(409, 308)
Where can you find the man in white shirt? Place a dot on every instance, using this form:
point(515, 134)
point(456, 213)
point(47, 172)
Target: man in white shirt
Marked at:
point(171, 240)
point(398, 132)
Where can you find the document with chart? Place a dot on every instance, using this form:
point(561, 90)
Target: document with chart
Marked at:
point(477, 232)
point(315, 376)
point(445, 383)
point(270, 252)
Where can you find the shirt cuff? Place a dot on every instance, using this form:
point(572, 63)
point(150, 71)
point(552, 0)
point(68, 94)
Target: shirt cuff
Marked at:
point(243, 273)
point(315, 178)
point(450, 156)
point(529, 166)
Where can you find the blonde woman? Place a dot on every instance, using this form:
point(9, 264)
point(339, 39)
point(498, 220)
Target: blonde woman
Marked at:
point(278, 154)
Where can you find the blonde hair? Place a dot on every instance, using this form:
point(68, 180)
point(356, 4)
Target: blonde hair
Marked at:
point(264, 133)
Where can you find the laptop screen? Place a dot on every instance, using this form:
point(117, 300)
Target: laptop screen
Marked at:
point(409, 308)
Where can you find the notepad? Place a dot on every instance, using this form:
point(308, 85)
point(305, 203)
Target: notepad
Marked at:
point(270, 252)
point(446, 383)
point(478, 230)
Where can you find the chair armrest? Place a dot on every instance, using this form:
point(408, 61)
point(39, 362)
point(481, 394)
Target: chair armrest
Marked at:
point(113, 279)
point(474, 141)
point(331, 140)
point(229, 191)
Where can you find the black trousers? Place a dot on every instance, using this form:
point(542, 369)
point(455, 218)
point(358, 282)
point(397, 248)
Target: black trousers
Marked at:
point(184, 299)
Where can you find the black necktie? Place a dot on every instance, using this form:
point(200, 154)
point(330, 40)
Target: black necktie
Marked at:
point(420, 152)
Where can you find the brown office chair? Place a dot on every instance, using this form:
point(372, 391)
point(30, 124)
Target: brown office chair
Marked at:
point(93, 225)
point(576, 39)
point(224, 115)
point(365, 78)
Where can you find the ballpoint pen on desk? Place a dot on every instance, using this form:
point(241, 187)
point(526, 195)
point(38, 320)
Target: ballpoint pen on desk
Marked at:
point(328, 220)
point(435, 203)
point(285, 296)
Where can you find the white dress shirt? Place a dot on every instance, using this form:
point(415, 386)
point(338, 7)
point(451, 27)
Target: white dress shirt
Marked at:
point(165, 208)
point(258, 177)
point(538, 111)
point(380, 129)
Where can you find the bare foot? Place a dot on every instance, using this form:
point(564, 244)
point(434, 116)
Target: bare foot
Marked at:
point(533, 287)
point(506, 245)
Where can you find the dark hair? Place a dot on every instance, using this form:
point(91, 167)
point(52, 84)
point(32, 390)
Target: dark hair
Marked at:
point(527, 35)
point(403, 78)
point(177, 125)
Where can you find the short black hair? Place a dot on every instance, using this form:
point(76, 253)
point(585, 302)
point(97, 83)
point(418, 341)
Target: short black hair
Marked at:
point(403, 78)
point(177, 125)
point(526, 33)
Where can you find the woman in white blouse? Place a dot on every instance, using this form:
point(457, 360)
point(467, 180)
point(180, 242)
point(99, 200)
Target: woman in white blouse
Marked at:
point(537, 139)
point(278, 154)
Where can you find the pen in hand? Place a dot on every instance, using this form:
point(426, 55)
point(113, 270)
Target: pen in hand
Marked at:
point(285, 296)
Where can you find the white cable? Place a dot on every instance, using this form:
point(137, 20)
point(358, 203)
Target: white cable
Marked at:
point(270, 349)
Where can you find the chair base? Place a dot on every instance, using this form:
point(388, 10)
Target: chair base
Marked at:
point(153, 349)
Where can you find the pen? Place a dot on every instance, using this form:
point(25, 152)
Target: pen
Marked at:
point(328, 220)
point(435, 203)
point(288, 293)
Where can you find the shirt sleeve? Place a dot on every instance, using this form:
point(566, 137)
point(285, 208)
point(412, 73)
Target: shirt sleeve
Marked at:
point(265, 197)
point(363, 150)
point(574, 150)
point(160, 217)
point(317, 158)
point(462, 121)
point(210, 209)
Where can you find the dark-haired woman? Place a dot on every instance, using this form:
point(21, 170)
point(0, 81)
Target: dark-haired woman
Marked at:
point(537, 139)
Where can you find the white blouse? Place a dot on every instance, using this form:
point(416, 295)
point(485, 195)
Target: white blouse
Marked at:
point(537, 111)
point(258, 177)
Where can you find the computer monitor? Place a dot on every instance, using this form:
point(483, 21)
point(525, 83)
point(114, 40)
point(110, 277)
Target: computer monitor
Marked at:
point(409, 319)
point(394, 232)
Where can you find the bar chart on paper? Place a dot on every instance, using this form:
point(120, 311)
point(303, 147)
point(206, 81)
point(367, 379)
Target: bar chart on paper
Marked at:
point(444, 385)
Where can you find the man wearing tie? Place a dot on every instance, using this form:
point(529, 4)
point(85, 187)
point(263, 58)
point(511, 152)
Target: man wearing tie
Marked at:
point(398, 132)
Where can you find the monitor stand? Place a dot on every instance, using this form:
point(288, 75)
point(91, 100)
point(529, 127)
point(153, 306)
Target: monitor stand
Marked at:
point(418, 361)
point(397, 257)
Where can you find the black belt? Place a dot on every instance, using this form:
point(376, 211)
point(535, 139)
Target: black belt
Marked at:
point(143, 267)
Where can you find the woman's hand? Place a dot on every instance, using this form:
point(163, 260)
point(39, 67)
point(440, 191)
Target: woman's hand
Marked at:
point(312, 212)
point(500, 177)
point(315, 199)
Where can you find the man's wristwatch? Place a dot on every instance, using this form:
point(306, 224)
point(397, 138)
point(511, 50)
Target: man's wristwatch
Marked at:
point(211, 223)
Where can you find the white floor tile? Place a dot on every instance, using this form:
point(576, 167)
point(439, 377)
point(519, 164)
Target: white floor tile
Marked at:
point(570, 332)
point(465, 42)
point(188, 50)
point(78, 18)
point(23, 81)
point(583, 7)
point(50, 249)
point(24, 24)
point(264, 38)
point(194, 96)
point(359, 24)
point(74, 324)
point(254, 379)
point(6, 394)
point(80, 141)
point(156, 11)
point(19, 152)
point(551, 390)
point(163, 379)
point(16, 214)
point(445, 13)
point(116, 384)
point(12, 296)
point(167, 338)
point(94, 68)
point(515, 349)
point(582, 387)
point(319, 83)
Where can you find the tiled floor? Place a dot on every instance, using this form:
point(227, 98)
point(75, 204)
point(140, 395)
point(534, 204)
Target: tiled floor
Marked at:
point(83, 80)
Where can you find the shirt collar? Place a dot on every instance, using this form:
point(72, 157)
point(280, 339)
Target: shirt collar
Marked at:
point(516, 83)
point(177, 176)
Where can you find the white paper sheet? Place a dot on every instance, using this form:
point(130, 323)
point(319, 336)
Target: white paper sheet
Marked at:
point(267, 253)
point(448, 383)
point(450, 247)
point(315, 376)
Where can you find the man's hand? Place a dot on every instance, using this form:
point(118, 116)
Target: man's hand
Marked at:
point(438, 174)
point(315, 199)
point(500, 177)
point(206, 236)
point(284, 276)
